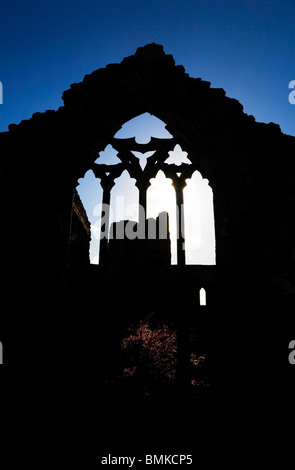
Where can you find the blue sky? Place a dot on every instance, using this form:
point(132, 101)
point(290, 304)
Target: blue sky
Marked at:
point(245, 47)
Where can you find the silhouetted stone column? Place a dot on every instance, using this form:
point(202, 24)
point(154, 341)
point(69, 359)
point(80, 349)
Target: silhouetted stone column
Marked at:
point(179, 185)
point(106, 184)
point(143, 187)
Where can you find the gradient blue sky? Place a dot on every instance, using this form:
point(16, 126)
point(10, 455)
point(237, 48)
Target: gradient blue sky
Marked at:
point(246, 47)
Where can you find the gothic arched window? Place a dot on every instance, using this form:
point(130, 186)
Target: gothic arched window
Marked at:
point(164, 178)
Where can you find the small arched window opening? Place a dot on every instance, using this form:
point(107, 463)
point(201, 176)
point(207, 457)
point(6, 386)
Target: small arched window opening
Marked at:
point(202, 297)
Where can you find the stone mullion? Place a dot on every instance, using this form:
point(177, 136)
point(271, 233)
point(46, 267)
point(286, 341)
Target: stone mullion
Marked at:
point(106, 184)
point(142, 184)
point(179, 185)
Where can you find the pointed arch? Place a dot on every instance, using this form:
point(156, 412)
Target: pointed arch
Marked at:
point(202, 297)
point(199, 221)
point(124, 199)
point(161, 197)
point(90, 192)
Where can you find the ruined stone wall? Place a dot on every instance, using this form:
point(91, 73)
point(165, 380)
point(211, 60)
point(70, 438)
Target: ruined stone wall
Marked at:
point(249, 166)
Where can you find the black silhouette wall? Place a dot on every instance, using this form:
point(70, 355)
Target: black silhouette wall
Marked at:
point(249, 166)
